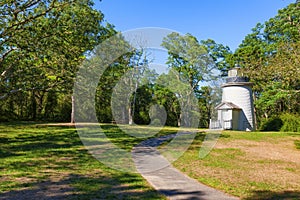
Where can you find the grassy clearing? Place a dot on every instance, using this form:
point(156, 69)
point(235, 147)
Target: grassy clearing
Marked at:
point(50, 162)
point(251, 165)
point(41, 162)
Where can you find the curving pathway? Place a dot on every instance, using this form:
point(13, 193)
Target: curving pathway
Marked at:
point(168, 180)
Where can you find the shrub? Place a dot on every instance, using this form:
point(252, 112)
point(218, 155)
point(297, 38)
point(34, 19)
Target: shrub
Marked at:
point(271, 124)
point(291, 122)
point(156, 122)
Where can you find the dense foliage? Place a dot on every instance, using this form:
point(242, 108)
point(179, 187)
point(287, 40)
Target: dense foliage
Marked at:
point(270, 56)
point(42, 43)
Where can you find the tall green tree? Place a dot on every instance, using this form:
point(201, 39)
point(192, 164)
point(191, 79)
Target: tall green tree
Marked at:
point(43, 42)
point(191, 60)
point(220, 54)
point(270, 57)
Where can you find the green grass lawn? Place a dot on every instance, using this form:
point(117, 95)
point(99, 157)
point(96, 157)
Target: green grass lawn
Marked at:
point(51, 160)
point(250, 165)
point(43, 162)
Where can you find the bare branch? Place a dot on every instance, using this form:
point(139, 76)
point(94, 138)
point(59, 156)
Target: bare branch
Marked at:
point(6, 54)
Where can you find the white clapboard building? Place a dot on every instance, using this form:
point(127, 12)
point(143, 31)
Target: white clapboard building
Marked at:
point(236, 111)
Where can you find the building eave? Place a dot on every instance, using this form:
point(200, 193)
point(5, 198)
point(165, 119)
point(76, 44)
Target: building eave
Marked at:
point(230, 106)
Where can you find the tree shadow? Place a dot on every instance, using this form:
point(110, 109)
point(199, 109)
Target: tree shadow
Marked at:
point(191, 195)
point(199, 138)
point(51, 163)
point(38, 142)
point(270, 195)
point(82, 187)
point(59, 150)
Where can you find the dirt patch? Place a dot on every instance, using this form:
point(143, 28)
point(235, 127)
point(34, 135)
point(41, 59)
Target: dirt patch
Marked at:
point(273, 163)
point(242, 167)
point(283, 150)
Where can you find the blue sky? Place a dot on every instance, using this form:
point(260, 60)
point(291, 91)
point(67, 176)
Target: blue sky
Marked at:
point(225, 21)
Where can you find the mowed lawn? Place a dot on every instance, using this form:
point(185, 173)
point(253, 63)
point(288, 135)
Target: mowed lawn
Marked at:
point(50, 162)
point(250, 165)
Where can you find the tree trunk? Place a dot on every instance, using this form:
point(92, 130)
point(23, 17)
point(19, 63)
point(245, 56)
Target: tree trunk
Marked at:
point(124, 118)
point(73, 110)
point(33, 104)
point(40, 96)
point(209, 113)
point(179, 119)
point(130, 116)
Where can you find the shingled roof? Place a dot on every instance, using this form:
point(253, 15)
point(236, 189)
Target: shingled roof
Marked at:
point(227, 105)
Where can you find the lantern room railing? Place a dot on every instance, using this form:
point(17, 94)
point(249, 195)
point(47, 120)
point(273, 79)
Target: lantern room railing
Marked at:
point(237, 79)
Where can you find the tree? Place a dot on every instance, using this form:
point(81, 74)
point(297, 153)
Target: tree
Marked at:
point(122, 70)
point(189, 58)
point(139, 64)
point(166, 98)
point(270, 57)
point(192, 63)
point(220, 54)
point(42, 43)
point(281, 91)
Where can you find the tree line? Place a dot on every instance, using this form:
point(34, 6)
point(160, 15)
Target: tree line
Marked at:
point(43, 43)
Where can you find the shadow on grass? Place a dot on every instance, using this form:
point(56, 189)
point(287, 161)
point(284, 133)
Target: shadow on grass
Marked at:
point(40, 162)
point(192, 195)
point(199, 138)
point(37, 138)
point(16, 143)
point(82, 187)
point(286, 195)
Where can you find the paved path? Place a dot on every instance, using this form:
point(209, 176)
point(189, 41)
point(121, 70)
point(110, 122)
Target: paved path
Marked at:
point(168, 180)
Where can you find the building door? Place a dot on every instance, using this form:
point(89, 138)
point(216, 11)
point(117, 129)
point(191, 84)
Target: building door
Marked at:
point(227, 119)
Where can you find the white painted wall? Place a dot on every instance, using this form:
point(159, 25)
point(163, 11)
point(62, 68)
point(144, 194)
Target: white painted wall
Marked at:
point(241, 95)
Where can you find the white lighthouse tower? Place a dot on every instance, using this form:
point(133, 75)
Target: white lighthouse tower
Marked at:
point(236, 111)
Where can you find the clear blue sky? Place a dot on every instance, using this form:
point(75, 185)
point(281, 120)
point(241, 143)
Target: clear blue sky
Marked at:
point(225, 21)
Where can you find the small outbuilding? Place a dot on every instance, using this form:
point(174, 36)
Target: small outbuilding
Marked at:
point(229, 115)
point(236, 111)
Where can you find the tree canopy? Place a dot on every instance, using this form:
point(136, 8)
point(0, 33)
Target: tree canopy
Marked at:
point(42, 43)
point(269, 56)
